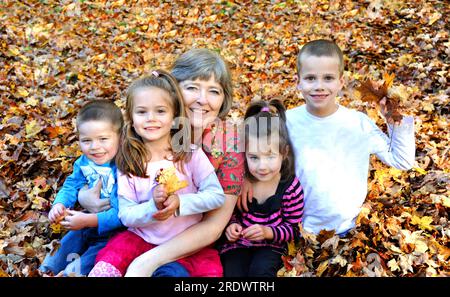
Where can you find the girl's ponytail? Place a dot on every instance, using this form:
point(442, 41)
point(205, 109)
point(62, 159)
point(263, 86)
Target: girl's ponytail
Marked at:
point(262, 118)
point(280, 110)
point(266, 109)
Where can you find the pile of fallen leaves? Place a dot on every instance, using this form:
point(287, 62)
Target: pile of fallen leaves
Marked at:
point(57, 55)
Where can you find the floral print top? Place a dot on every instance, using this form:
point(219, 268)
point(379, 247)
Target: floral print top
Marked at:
point(225, 152)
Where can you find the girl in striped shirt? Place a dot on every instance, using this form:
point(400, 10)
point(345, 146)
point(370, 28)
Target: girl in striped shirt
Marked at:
point(256, 239)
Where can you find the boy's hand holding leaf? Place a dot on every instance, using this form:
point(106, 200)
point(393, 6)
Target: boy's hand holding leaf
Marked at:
point(370, 91)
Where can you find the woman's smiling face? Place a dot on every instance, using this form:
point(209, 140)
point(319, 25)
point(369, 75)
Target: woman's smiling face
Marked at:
point(203, 100)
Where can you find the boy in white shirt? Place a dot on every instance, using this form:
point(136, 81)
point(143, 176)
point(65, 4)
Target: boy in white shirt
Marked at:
point(332, 144)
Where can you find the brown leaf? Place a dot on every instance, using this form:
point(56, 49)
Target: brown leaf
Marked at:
point(369, 92)
point(324, 235)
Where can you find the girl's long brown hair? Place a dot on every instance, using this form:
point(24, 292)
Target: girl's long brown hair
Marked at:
point(133, 156)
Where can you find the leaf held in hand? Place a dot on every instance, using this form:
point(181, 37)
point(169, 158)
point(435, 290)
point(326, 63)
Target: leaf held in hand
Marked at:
point(169, 178)
point(370, 92)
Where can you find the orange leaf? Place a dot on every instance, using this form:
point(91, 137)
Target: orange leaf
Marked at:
point(388, 79)
point(169, 178)
point(369, 92)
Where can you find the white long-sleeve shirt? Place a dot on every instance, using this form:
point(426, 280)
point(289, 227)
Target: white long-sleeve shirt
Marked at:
point(332, 162)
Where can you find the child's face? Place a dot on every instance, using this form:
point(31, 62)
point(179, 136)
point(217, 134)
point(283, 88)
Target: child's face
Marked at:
point(152, 114)
point(319, 82)
point(263, 159)
point(203, 99)
point(99, 141)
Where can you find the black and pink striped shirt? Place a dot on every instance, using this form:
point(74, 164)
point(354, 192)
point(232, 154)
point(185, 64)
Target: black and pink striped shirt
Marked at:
point(282, 212)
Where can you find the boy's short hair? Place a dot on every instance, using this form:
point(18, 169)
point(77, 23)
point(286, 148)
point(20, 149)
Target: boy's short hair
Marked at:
point(101, 110)
point(319, 48)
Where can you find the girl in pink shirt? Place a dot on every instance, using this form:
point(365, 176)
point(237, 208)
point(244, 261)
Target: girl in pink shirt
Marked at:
point(157, 136)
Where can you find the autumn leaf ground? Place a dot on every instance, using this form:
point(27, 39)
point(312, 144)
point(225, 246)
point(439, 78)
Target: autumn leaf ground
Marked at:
point(56, 55)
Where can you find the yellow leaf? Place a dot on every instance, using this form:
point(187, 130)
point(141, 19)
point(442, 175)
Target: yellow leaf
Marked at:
point(235, 41)
point(22, 92)
point(380, 176)
point(211, 18)
point(395, 173)
point(446, 201)
point(423, 223)
point(121, 37)
point(56, 228)
point(14, 51)
point(420, 170)
point(405, 59)
point(40, 145)
point(172, 33)
point(427, 106)
point(322, 267)
point(258, 26)
point(39, 203)
point(3, 273)
point(392, 264)
point(277, 64)
point(98, 57)
point(430, 271)
point(420, 246)
point(434, 17)
point(415, 238)
point(395, 249)
point(32, 128)
point(117, 3)
point(362, 214)
point(69, 7)
point(309, 252)
point(351, 13)
point(442, 199)
point(292, 250)
point(388, 79)
point(169, 178)
point(339, 260)
point(32, 101)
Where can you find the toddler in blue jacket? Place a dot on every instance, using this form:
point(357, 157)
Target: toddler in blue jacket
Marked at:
point(98, 124)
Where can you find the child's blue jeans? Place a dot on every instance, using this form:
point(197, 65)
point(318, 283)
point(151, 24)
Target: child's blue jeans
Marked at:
point(76, 255)
point(173, 269)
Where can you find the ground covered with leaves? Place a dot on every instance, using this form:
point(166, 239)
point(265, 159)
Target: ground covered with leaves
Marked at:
point(57, 55)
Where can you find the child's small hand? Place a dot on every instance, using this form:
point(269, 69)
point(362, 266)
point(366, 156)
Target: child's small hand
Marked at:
point(160, 196)
point(74, 220)
point(233, 232)
point(246, 196)
point(57, 213)
point(170, 206)
point(257, 232)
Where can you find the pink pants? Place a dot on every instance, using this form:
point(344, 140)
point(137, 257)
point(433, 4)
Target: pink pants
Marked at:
point(125, 246)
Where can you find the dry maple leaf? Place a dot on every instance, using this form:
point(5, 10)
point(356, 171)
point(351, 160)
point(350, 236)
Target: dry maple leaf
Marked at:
point(286, 261)
point(169, 178)
point(370, 92)
point(56, 228)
